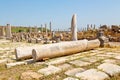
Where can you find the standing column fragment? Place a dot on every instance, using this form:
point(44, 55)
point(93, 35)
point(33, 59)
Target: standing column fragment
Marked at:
point(74, 28)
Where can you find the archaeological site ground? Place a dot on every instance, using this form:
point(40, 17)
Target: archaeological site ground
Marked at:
point(39, 53)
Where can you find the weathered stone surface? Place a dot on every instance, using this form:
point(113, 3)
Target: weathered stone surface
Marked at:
point(38, 40)
point(3, 61)
point(91, 59)
point(104, 55)
point(9, 65)
point(109, 68)
point(110, 61)
point(110, 53)
point(92, 74)
point(65, 66)
point(57, 61)
point(117, 57)
point(73, 71)
point(74, 28)
point(79, 63)
point(8, 31)
point(58, 49)
point(33, 41)
point(30, 75)
point(49, 70)
point(70, 78)
point(24, 52)
point(93, 44)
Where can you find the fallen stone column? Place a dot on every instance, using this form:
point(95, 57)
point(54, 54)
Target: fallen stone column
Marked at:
point(59, 49)
point(55, 50)
point(24, 52)
point(64, 48)
point(93, 44)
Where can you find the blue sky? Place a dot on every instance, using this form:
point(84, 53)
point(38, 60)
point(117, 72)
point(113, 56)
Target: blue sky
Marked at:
point(59, 12)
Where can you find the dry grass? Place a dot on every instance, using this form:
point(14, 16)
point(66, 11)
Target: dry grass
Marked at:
point(16, 71)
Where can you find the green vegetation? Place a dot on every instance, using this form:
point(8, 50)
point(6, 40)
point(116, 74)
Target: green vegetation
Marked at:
point(25, 29)
point(20, 29)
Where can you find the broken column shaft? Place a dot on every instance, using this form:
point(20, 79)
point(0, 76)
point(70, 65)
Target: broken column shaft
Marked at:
point(63, 48)
point(74, 28)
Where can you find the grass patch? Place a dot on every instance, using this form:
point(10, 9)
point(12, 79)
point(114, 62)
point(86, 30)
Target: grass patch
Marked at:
point(16, 71)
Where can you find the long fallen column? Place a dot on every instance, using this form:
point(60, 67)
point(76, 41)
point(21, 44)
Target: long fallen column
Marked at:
point(55, 50)
point(64, 48)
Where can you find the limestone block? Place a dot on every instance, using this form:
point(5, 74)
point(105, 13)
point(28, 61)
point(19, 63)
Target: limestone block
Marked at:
point(30, 75)
point(49, 70)
point(73, 71)
point(92, 74)
point(70, 78)
point(65, 66)
point(3, 61)
point(9, 65)
point(80, 63)
point(109, 68)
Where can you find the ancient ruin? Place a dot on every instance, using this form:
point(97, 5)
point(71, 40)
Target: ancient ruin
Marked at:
point(40, 53)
